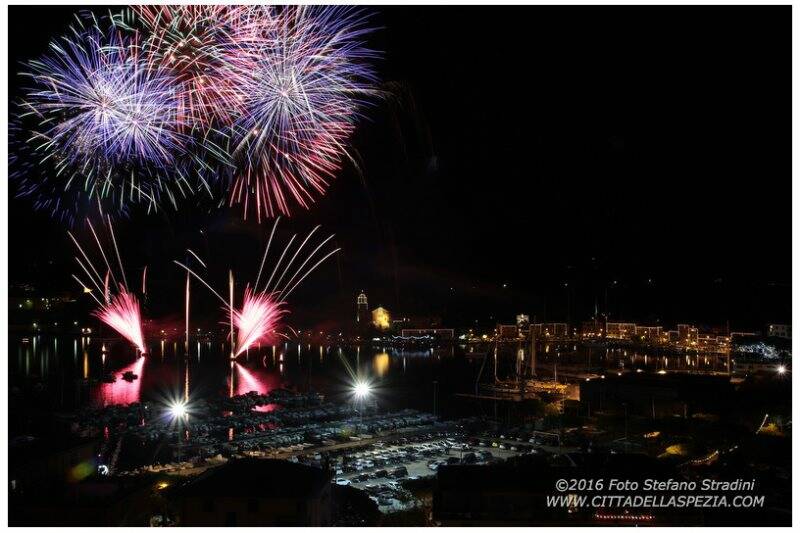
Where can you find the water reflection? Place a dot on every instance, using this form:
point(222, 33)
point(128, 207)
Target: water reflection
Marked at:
point(174, 371)
point(380, 364)
point(255, 380)
point(122, 391)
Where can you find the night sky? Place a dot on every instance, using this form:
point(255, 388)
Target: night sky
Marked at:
point(639, 155)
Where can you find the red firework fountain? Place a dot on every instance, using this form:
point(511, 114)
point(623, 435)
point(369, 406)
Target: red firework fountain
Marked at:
point(118, 309)
point(122, 313)
point(262, 309)
point(258, 319)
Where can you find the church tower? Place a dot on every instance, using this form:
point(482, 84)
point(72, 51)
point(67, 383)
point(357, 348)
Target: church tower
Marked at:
point(362, 310)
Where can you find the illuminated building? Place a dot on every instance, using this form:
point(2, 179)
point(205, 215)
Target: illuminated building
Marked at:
point(507, 331)
point(620, 330)
point(362, 309)
point(713, 343)
point(648, 333)
point(399, 323)
point(381, 319)
point(592, 329)
point(523, 323)
point(783, 331)
point(687, 334)
point(550, 329)
point(421, 322)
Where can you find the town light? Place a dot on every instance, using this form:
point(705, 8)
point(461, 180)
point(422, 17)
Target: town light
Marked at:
point(781, 369)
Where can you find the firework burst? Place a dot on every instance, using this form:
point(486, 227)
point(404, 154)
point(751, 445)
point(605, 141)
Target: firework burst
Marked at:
point(303, 81)
point(99, 124)
point(160, 103)
point(192, 44)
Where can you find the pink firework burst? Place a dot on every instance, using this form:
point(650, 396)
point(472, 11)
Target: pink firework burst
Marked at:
point(192, 43)
point(121, 312)
point(257, 320)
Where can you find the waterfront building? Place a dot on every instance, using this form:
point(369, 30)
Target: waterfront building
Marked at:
point(551, 329)
point(507, 331)
point(687, 334)
point(362, 310)
point(416, 322)
point(783, 331)
point(523, 323)
point(713, 343)
point(592, 329)
point(649, 333)
point(381, 319)
point(620, 330)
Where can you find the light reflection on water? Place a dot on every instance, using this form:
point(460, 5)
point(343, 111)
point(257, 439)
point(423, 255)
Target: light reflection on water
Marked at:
point(121, 391)
point(405, 373)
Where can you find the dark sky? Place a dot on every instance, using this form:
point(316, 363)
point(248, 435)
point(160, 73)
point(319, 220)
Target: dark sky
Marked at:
point(528, 146)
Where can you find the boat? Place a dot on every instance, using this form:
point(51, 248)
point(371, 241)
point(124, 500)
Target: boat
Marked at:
point(129, 376)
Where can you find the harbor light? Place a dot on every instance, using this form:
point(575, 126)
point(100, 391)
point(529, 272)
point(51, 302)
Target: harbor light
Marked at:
point(178, 410)
point(361, 389)
point(781, 369)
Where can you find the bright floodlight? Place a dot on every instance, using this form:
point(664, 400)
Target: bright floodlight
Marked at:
point(361, 389)
point(178, 410)
point(781, 369)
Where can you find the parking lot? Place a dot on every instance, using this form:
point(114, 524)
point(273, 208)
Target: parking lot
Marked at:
point(383, 469)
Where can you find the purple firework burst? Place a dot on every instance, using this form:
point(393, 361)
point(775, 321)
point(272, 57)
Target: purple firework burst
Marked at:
point(99, 124)
point(97, 100)
point(304, 79)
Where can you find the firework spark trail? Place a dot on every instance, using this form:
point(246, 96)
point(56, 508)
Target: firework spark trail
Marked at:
point(196, 257)
point(266, 251)
point(109, 271)
point(262, 309)
point(119, 310)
